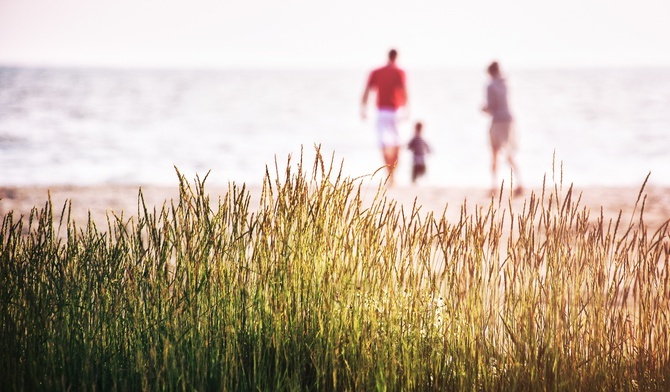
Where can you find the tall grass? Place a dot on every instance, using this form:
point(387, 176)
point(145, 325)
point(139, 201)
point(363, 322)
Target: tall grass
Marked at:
point(320, 287)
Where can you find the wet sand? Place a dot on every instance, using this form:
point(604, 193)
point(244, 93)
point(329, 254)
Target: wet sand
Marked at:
point(102, 201)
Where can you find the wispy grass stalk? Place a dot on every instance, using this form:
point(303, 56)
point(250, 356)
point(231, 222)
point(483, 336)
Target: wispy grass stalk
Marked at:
point(322, 287)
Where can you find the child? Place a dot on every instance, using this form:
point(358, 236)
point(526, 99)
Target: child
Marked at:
point(419, 148)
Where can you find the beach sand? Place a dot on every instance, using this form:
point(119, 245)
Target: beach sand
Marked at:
point(102, 200)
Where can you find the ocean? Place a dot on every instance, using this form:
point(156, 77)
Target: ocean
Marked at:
point(590, 127)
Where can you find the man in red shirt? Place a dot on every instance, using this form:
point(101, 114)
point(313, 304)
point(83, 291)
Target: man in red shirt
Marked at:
point(389, 84)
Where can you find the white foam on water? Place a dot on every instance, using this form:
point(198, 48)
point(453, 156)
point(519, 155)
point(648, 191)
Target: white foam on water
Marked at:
point(89, 126)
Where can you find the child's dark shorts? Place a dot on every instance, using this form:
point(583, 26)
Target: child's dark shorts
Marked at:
point(418, 170)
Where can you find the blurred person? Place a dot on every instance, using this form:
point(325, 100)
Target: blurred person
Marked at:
point(389, 84)
point(501, 133)
point(419, 149)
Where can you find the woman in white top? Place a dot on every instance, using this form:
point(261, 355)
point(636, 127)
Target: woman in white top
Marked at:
point(501, 133)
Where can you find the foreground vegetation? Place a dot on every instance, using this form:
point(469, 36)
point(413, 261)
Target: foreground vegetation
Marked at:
point(322, 288)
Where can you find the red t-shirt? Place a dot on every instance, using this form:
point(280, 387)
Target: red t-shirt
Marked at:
point(389, 81)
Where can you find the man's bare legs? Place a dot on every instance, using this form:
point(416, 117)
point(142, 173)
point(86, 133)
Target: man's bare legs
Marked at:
point(391, 160)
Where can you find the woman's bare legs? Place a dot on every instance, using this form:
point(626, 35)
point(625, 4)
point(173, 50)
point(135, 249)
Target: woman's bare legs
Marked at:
point(494, 172)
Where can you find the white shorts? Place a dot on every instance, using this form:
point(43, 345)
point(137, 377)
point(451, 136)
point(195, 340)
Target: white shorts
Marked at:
point(387, 128)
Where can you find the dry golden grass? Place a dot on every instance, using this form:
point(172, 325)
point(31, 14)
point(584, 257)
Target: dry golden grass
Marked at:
point(322, 287)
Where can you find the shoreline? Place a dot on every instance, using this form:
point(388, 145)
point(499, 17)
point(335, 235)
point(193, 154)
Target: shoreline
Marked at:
point(100, 200)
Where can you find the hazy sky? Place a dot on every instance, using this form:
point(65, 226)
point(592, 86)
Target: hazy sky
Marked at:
point(334, 33)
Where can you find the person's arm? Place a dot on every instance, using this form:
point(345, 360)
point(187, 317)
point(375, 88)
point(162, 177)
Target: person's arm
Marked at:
point(364, 100)
point(488, 108)
point(404, 96)
point(403, 88)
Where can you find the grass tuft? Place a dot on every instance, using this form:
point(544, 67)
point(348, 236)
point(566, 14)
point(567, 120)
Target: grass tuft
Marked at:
point(320, 288)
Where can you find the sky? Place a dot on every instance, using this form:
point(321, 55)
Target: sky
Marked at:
point(334, 34)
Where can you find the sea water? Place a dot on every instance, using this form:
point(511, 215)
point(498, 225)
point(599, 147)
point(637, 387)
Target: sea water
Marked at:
point(75, 126)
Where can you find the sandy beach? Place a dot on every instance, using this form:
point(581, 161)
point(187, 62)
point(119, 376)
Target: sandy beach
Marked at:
point(103, 200)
